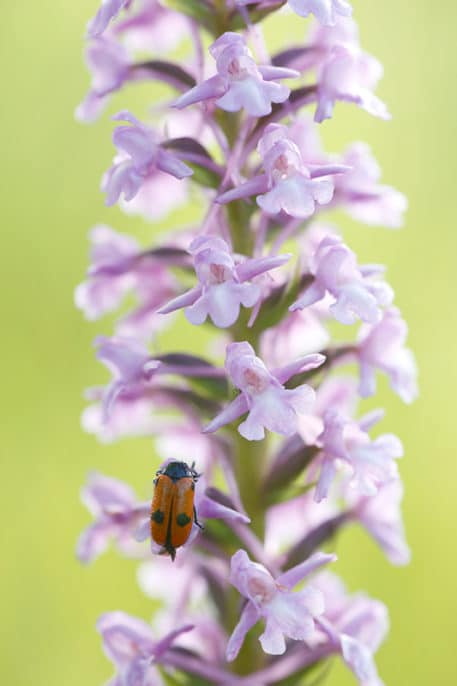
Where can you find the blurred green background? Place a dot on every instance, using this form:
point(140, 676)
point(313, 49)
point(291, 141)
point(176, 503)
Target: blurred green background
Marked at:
point(51, 170)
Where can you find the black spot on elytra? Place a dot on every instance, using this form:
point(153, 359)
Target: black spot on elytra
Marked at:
point(182, 519)
point(158, 516)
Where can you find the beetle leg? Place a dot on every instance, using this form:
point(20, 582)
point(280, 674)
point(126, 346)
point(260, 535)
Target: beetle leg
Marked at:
point(195, 474)
point(200, 526)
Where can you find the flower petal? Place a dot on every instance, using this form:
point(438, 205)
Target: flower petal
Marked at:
point(234, 410)
point(360, 660)
point(249, 617)
point(124, 636)
point(272, 639)
point(258, 184)
point(250, 268)
point(207, 90)
point(184, 300)
point(303, 364)
point(293, 576)
point(94, 541)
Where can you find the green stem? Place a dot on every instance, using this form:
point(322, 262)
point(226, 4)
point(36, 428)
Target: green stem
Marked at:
point(236, 130)
point(249, 461)
point(249, 456)
point(239, 215)
point(241, 332)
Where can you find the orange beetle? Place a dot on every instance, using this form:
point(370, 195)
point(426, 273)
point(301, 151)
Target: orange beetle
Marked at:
point(172, 508)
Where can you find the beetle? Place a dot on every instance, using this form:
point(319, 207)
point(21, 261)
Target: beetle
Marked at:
point(172, 509)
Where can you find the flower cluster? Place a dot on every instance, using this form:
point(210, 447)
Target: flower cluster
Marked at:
point(263, 454)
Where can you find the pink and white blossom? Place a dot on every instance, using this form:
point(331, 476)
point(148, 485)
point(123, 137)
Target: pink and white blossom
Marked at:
point(358, 191)
point(109, 65)
point(239, 82)
point(140, 156)
point(269, 405)
point(337, 391)
point(130, 364)
point(287, 184)
point(133, 414)
point(346, 444)
point(355, 626)
point(110, 275)
point(118, 267)
point(225, 283)
point(302, 333)
point(349, 75)
point(325, 11)
point(382, 347)
point(361, 194)
point(130, 644)
point(286, 613)
point(381, 517)
point(356, 293)
point(117, 513)
point(152, 29)
point(158, 196)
